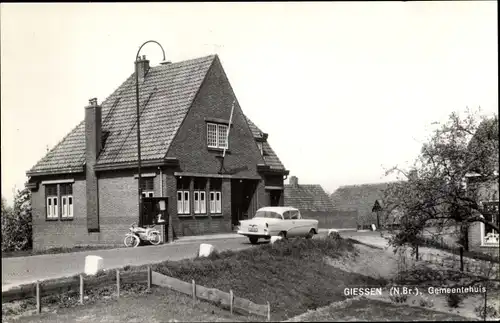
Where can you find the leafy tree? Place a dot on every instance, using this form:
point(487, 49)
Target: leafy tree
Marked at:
point(433, 190)
point(16, 223)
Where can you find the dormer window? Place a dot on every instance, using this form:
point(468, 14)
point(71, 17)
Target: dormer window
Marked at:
point(259, 144)
point(217, 135)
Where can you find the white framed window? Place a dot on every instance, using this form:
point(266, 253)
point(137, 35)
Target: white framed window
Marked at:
point(147, 186)
point(200, 204)
point(203, 202)
point(148, 194)
point(212, 135)
point(489, 237)
point(215, 202)
point(52, 200)
point(212, 202)
point(217, 135)
point(222, 135)
point(66, 191)
point(183, 202)
point(52, 207)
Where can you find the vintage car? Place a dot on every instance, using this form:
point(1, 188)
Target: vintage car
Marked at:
point(281, 221)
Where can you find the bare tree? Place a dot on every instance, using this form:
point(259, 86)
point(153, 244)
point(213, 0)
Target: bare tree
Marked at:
point(434, 190)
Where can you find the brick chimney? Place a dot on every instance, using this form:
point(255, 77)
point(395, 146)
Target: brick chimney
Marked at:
point(294, 181)
point(142, 67)
point(93, 144)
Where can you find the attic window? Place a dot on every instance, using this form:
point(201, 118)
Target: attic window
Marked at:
point(217, 135)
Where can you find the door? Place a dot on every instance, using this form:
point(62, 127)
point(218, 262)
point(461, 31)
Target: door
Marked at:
point(274, 197)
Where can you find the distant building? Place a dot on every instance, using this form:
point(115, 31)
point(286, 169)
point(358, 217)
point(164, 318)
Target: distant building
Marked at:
point(314, 203)
point(481, 237)
point(85, 190)
point(366, 202)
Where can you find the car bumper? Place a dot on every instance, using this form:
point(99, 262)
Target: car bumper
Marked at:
point(254, 234)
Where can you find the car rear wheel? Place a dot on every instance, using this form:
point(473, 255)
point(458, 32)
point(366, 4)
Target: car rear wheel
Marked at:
point(253, 240)
point(310, 234)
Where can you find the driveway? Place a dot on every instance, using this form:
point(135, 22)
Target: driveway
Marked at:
point(23, 270)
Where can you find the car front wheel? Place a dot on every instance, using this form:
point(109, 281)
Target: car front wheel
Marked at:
point(310, 234)
point(253, 240)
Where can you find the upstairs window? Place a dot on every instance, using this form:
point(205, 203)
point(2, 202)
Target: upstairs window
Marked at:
point(217, 135)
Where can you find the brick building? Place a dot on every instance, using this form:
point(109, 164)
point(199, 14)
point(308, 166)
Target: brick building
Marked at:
point(314, 203)
point(365, 201)
point(84, 191)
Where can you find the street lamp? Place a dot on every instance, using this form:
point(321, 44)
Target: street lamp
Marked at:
point(137, 57)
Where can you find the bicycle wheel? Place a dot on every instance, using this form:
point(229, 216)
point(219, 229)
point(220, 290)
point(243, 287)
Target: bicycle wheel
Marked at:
point(155, 238)
point(131, 241)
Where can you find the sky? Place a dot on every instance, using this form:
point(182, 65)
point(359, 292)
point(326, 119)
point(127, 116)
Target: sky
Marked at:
point(344, 89)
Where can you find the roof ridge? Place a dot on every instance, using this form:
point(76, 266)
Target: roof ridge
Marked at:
point(191, 103)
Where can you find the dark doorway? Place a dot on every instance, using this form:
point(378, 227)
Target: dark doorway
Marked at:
point(242, 191)
point(275, 197)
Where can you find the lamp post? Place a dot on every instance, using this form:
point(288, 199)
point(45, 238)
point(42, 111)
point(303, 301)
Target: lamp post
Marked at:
point(137, 57)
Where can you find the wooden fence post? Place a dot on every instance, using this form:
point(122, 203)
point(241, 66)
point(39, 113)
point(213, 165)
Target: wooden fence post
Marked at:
point(268, 312)
point(81, 289)
point(194, 291)
point(461, 259)
point(118, 283)
point(416, 251)
point(38, 298)
point(149, 277)
point(231, 298)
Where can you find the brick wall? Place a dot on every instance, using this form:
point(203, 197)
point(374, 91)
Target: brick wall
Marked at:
point(330, 220)
point(59, 233)
point(214, 100)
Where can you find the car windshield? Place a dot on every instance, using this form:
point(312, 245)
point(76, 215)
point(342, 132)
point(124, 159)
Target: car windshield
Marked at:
point(267, 214)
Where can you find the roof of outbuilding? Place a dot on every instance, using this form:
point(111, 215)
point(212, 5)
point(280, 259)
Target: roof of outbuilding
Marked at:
point(359, 198)
point(309, 197)
point(165, 97)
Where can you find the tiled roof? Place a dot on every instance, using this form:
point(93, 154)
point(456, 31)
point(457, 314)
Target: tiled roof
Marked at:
point(359, 198)
point(165, 96)
point(308, 197)
point(270, 156)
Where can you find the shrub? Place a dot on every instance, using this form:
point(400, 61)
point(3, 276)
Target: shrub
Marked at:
point(490, 311)
point(398, 298)
point(453, 300)
point(425, 302)
point(16, 223)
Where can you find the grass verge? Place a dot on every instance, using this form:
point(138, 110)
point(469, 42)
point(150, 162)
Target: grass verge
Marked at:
point(292, 275)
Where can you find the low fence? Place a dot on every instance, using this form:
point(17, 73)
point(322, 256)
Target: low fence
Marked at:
point(227, 300)
point(78, 284)
point(84, 283)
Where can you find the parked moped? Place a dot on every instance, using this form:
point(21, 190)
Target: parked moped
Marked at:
point(136, 235)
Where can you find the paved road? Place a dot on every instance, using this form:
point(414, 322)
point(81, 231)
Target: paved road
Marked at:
point(23, 270)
